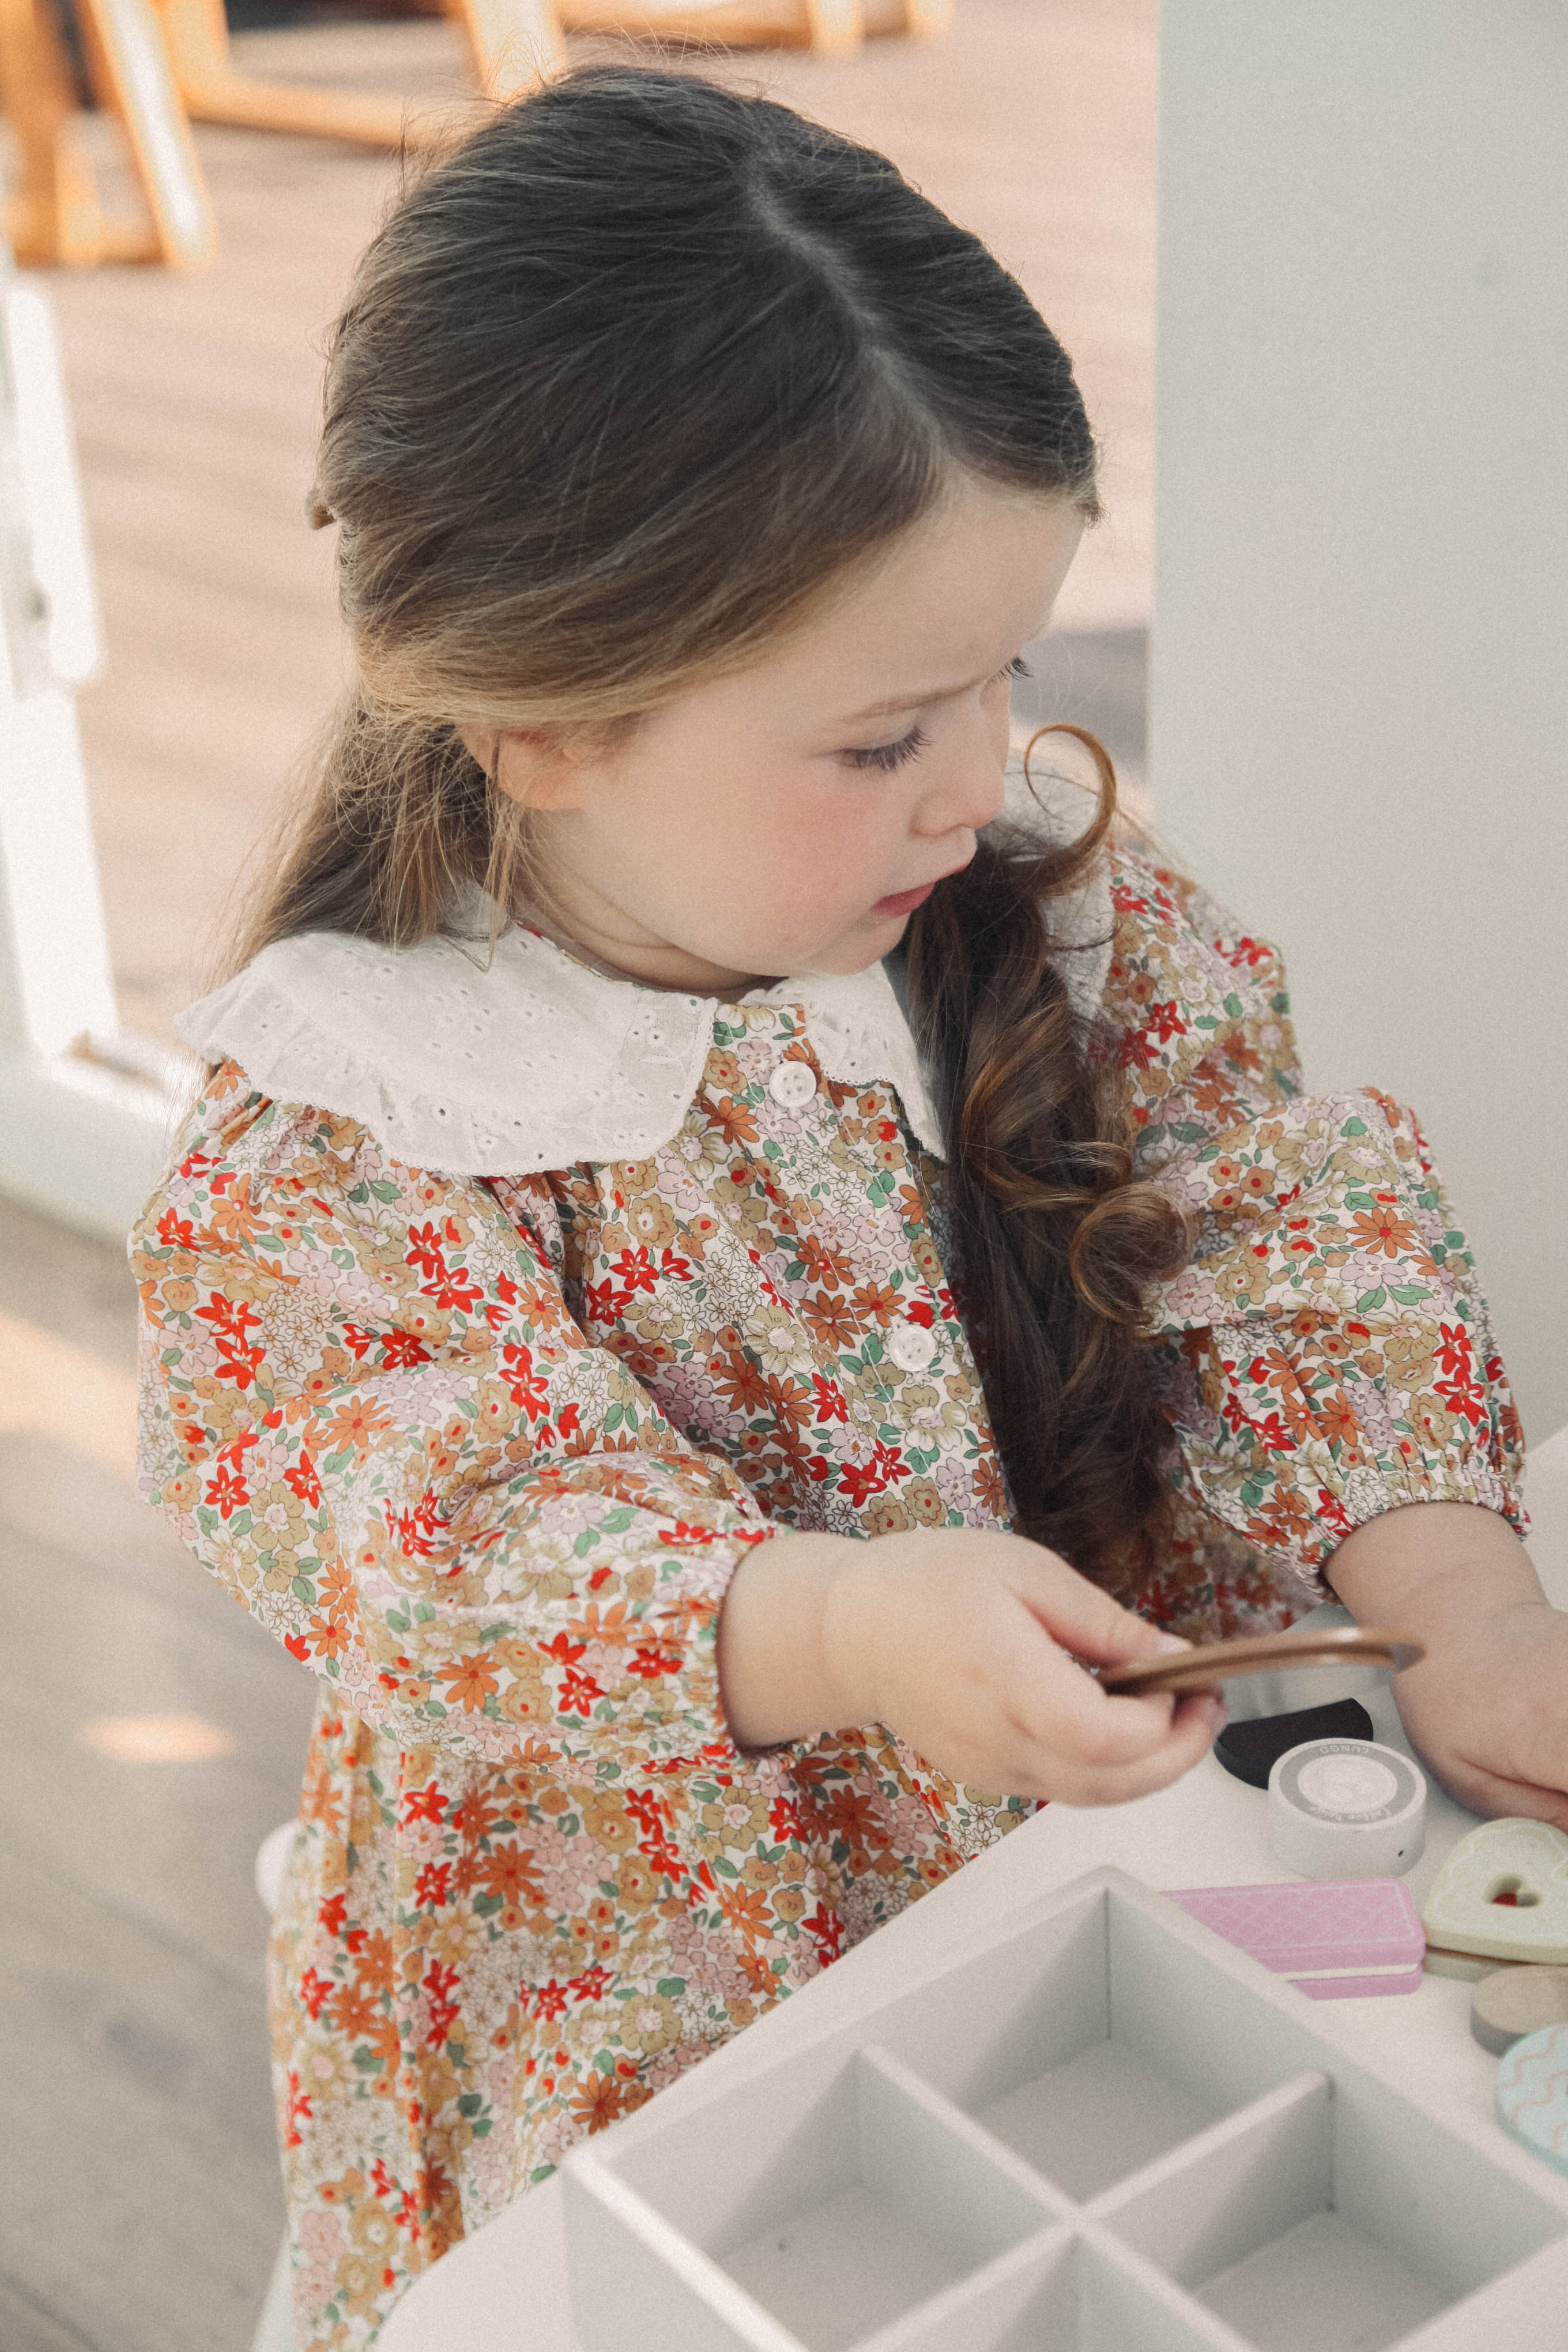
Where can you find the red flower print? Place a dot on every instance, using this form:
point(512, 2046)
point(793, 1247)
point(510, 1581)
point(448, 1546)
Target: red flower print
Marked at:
point(427, 1804)
point(1247, 954)
point(578, 1692)
point(238, 1360)
point(549, 2002)
point(400, 1350)
point(228, 1491)
point(647, 1663)
point(304, 1481)
point(298, 2111)
point(861, 1480)
point(314, 1992)
point(1136, 1052)
point(424, 1252)
point(830, 1403)
point(826, 1932)
point(433, 1884)
point(420, 1531)
point(440, 1984)
point(530, 1389)
point(604, 1302)
point(635, 1270)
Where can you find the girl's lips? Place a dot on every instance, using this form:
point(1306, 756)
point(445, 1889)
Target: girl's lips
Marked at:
point(904, 902)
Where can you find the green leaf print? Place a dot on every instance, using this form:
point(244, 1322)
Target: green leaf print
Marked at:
point(1370, 1300)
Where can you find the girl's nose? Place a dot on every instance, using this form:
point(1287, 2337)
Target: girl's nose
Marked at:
point(967, 797)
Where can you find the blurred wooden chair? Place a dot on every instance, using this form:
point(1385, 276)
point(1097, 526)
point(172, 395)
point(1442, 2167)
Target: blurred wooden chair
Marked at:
point(513, 43)
point(54, 217)
point(833, 27)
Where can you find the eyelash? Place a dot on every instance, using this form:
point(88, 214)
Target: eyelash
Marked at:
point(888, 756)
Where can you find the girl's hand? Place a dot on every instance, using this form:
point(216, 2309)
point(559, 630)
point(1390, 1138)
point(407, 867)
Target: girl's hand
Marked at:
point(958, 1640)
point(1488, 1707)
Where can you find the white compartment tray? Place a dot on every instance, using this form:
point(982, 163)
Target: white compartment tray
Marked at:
point(1103, 2131)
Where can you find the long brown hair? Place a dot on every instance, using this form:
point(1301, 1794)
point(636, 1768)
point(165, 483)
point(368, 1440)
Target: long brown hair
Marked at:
point(621, 388)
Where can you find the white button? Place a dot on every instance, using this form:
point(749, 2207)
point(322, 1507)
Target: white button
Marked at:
point(793, 1084)
point(911, 1347)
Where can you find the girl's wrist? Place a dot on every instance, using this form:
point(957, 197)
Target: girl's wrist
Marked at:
point(1433, 1566)
point(782, 1646)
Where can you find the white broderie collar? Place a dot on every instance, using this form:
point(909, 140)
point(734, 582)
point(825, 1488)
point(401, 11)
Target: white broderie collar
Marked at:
point(526, 1060)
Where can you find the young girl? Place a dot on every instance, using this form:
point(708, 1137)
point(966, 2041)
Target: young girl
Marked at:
point(671, 1125)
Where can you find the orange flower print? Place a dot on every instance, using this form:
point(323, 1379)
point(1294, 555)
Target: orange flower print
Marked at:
point(1383, 1231)
point(356, 1423)
point(469, 1683)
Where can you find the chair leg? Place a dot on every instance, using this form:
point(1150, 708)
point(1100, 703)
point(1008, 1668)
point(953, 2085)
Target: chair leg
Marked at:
point(928, 19)
point(515, 44)
point(835, 26)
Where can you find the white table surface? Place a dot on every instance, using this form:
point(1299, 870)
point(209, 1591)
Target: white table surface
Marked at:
point(504, 2290)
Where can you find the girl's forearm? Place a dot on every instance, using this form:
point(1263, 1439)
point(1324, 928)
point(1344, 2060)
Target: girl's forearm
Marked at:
point(1432, 1564)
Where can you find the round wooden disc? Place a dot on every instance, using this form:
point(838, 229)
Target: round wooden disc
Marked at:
point(1262, 1653)
point(1514, 2002)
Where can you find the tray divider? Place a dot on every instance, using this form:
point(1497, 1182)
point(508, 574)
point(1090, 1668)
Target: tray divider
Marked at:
point(1054, 2206)
point(1203, 2327)
point(927, 2325)
point(674, 2293)
point(1263, 2122)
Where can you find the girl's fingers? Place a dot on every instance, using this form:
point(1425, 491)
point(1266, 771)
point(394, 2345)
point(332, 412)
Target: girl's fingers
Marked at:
point(1081, 1617)
point(1198, 1721)
point(1059, 1708)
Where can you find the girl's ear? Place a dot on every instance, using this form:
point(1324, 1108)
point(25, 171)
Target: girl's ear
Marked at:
point(534, 766)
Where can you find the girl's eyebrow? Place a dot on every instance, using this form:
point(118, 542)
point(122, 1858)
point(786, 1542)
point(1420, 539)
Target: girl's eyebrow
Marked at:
point(914, 701)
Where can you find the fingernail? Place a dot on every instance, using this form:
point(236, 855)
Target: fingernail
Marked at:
point(1170, 1642)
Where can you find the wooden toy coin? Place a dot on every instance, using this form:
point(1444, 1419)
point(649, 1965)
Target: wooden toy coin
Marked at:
point(1262, 1653)
point(1512, 2002)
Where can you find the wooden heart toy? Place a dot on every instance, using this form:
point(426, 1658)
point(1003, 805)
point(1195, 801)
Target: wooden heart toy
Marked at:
point(1503, 1892)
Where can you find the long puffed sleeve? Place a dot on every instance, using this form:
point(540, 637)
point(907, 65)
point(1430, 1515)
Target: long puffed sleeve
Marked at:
point(367, 1409)
point(1326, 1355)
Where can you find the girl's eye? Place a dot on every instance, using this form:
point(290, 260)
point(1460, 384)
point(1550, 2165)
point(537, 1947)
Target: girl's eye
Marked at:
point(891, 755)
point(909, 747)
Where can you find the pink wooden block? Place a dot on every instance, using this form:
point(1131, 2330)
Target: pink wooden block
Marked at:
point(1335, 1938)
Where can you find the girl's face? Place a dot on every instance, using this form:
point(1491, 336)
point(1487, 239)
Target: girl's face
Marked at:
point(789, 819)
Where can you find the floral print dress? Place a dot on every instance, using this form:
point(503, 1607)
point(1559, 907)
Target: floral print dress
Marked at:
point(483, 1444)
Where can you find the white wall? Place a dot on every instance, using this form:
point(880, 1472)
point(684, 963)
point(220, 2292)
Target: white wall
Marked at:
point(1360, 669)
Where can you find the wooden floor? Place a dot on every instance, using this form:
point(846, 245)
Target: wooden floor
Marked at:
point(142, 2205)
point(195, 401)
point(146, 2207)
